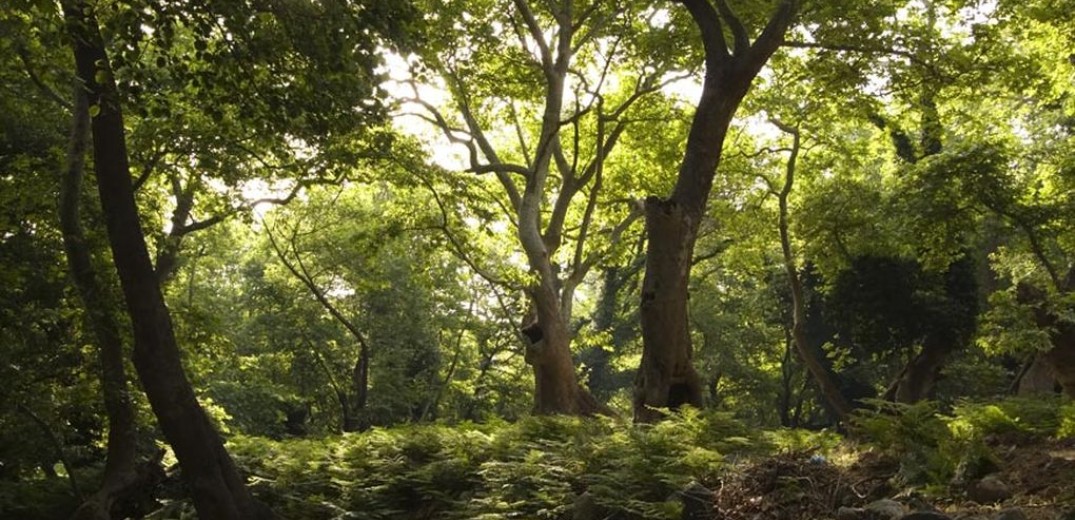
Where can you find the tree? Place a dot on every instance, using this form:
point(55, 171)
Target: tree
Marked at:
point(666, 377)
point(120, 471)
point(820, 373)
point(218, 489)
point(372, 263)
point(552, 181)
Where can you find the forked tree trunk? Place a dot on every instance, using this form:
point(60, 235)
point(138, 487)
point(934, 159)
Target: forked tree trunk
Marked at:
point(119, 473)
point(217, 489)
point(666, 377)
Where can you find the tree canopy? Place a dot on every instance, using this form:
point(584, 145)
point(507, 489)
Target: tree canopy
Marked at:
point(378, 228)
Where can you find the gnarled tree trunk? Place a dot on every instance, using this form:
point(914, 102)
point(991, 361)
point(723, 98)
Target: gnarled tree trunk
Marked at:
point(217, 489)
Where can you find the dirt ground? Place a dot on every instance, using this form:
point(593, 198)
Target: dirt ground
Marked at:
point(1040, 475)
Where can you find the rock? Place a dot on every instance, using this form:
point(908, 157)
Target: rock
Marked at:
point(1013, 513)
point(972, 468)
point(925, 515)
point(586, 508)
point(989, 490)
point(885, 509)
point(852, 513)
point(698, 503)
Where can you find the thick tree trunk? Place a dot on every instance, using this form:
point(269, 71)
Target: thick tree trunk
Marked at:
point(119, 471)
point(556, 389)
point(666, 377)
point(217, 489)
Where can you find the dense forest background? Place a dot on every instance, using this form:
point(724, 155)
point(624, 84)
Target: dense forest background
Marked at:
point(531, 258)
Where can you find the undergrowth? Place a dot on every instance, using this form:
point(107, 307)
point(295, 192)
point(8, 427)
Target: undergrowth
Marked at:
point(937, 449)
point(540, 467)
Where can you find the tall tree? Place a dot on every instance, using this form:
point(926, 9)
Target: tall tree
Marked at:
point(809, 356)
point(98, 304)
point(218, 489)
point(551, 178)
point(666, 377)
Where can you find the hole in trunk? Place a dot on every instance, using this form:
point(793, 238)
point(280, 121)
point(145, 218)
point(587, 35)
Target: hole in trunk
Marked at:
point(679, 394)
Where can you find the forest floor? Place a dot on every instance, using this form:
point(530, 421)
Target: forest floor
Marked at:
point(1031, 479)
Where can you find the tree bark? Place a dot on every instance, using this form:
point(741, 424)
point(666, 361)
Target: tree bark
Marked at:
point(119, 472)
point(556, 387)
point(1062, 359)
point(217, 489)
point(666, 377)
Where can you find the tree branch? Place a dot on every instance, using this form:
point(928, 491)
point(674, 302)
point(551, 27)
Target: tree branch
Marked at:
point(739, 33)
point(716, 49)
point(535, 32)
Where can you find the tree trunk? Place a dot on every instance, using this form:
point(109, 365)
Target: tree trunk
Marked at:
point(217, 489)
point(119, 471)
point(556, 387)
point(666, 377)
point(921, 374)
point(353, 405)
point(1038, 377)
point(1061, 357)
point(360, 379)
